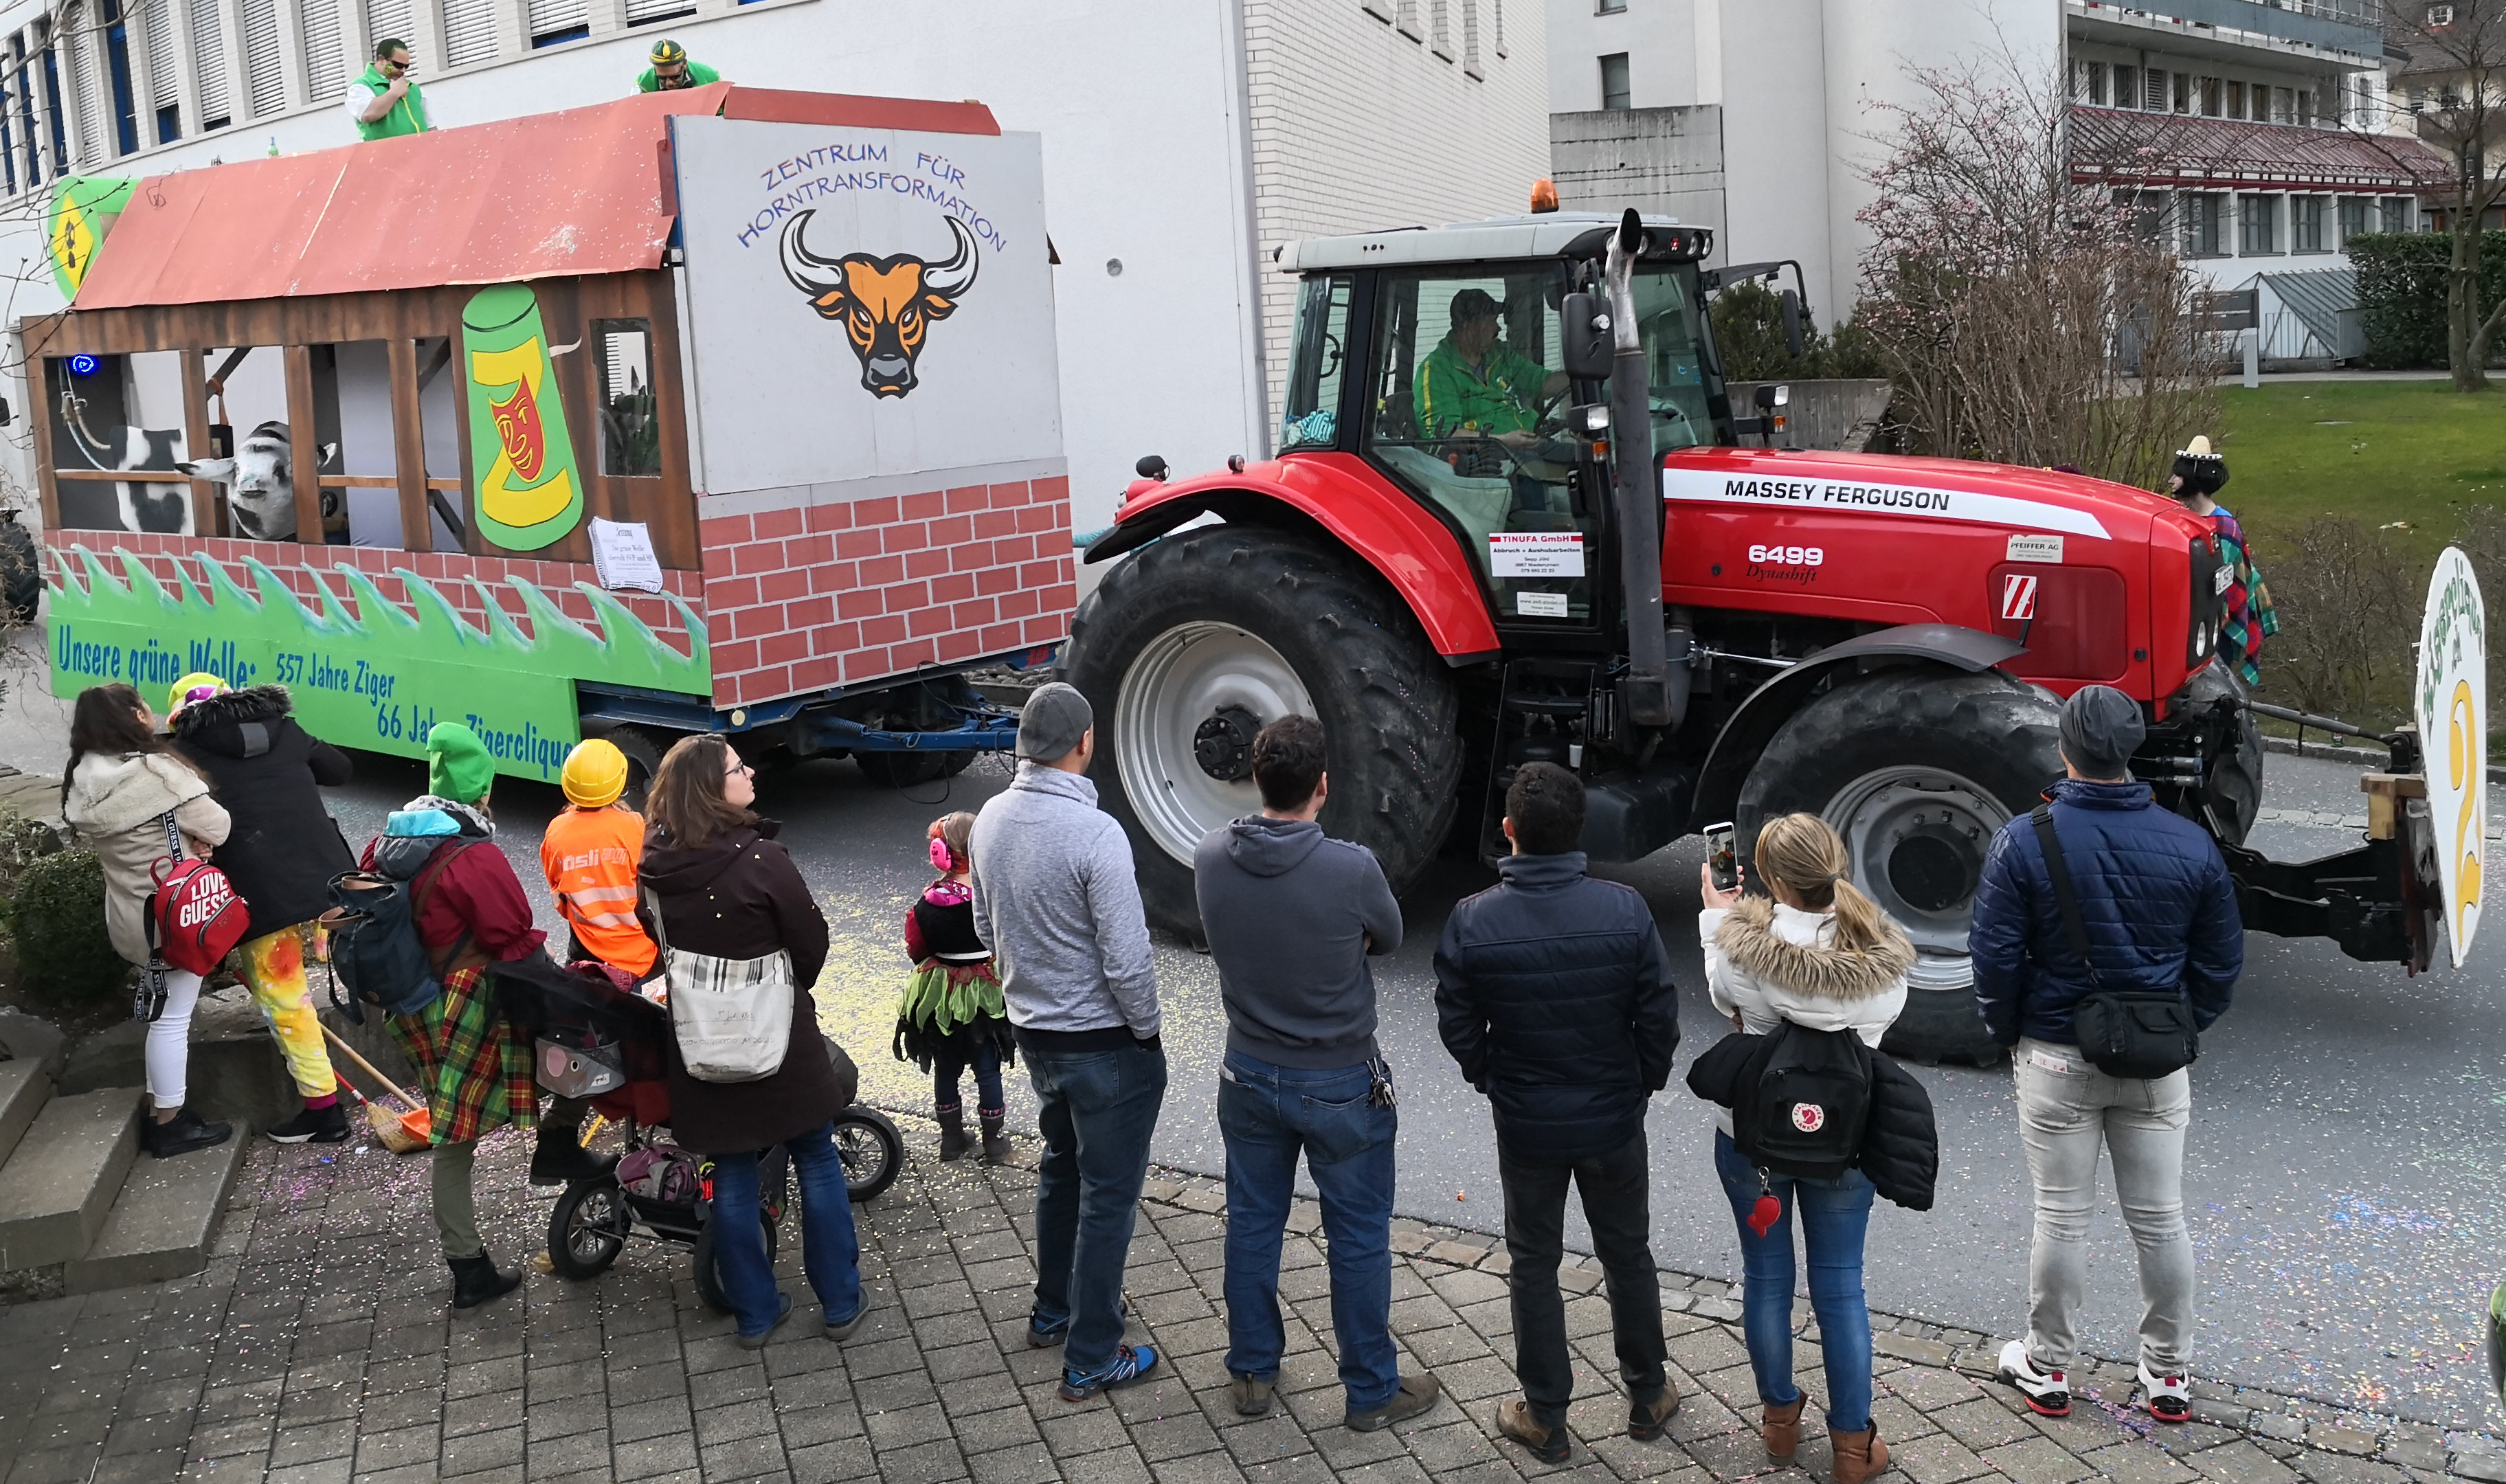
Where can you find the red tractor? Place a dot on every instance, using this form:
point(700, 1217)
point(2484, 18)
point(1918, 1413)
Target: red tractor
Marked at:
point(1511, 519)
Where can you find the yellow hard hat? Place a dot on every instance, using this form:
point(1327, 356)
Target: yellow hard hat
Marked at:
point(595, 774)
point(197, 685)
point(666, 52)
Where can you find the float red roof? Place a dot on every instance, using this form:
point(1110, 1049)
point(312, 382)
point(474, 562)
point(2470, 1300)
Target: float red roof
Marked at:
point(549, 195)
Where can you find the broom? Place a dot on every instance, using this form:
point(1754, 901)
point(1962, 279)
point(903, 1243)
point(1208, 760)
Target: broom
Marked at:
point(402, 1133)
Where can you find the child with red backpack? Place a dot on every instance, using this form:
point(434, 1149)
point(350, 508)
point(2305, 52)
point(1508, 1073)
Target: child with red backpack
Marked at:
point(143, 810)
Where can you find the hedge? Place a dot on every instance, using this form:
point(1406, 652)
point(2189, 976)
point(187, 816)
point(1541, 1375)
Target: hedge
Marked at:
point(2401, 294)
point(57, 921)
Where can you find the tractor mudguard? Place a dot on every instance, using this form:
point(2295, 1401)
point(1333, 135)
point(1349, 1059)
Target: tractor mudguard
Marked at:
point(1364, 511)
point(1751, 728)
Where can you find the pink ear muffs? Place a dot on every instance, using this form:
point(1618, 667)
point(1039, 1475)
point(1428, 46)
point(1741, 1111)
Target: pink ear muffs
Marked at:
point(939, 856)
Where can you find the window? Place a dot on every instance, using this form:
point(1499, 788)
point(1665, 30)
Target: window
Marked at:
point(2236, 100)
point(2152, 214)
point(209, 64)
point(2305, 107)
point(2257, 225)
point(2353, 217)
point(1614, 81)
point(631, 434)
point(2153, 90)
point(2096, 82)
point(2284, 105)
point(1310, 417)
point(2213, 97)
point(2440, 15)
point(2306, 223)
point(2203, 213)
point(1610, 7)
point(2127, 86)
point(125, 108)
point(2183, 83)
point(2397, 213)
point(2088, 81)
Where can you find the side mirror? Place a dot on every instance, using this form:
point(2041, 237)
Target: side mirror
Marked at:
point(1794, 341)
point(1150, 467)
point(1584, 336)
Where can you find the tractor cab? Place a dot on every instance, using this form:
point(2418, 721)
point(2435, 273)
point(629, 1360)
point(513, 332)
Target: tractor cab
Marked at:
point(1441, 358)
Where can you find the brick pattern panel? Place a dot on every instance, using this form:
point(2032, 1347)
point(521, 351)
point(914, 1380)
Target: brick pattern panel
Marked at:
point(813, 596)
point(443, 571)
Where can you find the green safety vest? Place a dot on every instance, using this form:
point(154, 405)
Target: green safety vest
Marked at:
point(1498, 396)
point(699, 74)
point(406, 117)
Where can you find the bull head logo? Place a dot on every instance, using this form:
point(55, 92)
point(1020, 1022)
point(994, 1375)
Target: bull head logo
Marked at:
point(885, 305)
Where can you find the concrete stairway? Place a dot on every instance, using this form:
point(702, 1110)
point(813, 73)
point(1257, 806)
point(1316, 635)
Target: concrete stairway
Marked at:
point(81, 1209)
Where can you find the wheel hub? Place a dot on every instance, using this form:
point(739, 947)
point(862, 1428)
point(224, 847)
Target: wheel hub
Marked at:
point(1223, 745)
point(1916, 838)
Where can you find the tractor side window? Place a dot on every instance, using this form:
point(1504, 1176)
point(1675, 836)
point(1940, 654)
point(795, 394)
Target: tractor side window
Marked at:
point(1674, 366)
point(1467, 417)
point(1311, 418)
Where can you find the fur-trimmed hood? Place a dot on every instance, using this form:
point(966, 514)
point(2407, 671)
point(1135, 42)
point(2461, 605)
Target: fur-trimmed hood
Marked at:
point(233, 724)
point(1817, 968)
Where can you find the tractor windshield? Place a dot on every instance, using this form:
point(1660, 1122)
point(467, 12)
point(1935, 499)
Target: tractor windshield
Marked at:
point(1674, 366)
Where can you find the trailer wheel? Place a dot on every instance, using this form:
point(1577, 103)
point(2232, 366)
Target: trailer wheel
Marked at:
point(1194, 643)
point(1916, 769)
point(643, 750)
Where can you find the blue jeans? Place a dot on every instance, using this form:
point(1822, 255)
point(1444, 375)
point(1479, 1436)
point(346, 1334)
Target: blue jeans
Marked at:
point(1834, 1214)
point(1267, 1114)
point(829, 1252)
point(946, 1067)
point(1095, 1111)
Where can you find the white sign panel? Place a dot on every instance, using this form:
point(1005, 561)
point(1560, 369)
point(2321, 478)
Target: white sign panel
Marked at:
point(2453, 736)
point(864, 301)
point(1860, 497)
point(2034, 549)
point(1535, 553)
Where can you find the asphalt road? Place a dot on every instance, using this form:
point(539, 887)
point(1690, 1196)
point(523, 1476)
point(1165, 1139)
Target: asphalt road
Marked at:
point(2342, 1179)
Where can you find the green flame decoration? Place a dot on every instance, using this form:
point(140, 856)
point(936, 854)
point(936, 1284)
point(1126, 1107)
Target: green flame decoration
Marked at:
point(378, 678)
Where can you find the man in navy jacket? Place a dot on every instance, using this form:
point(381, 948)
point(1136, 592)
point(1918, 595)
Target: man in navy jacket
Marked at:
point(2161, 914)
point(1554, 994)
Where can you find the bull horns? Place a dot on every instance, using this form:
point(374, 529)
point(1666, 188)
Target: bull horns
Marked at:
point(798, 259)
point(934, 275)
point(811, 275)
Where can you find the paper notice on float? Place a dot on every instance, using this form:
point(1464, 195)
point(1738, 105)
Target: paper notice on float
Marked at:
point(622, 553)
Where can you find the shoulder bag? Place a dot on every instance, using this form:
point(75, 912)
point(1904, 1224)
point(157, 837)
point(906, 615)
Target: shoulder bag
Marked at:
point(2141, 1034)
point(731, 1017)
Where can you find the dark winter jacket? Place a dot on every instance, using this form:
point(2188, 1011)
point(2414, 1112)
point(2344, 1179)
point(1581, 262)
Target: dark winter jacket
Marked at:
point(1554, 994)
point(283, 847)
point(1901, 1146)
point(2154, 895)
point(1291, 916)
point(739, 896)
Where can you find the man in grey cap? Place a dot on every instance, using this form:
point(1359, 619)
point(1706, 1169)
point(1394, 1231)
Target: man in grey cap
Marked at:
point(2160, 914)
point(1056, 903)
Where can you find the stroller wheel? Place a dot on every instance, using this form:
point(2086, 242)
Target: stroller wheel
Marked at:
point(709, 1277)
point(587, 1229)
point(871, 1149)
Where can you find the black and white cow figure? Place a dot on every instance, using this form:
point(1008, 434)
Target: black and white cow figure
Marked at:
point(139, 506)
point(260, 486)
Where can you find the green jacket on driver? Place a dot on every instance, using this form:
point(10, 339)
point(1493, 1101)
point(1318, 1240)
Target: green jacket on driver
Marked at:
point(1501, 395)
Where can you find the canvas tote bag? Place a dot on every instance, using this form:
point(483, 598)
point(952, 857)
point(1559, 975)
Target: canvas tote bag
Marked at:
point(731, 1017)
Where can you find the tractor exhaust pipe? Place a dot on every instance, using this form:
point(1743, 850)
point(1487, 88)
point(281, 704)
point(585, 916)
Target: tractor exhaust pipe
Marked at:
point(1645, 693)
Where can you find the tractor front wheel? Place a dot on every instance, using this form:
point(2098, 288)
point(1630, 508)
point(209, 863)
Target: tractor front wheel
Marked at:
point(1196, 642)
point(1918, 769)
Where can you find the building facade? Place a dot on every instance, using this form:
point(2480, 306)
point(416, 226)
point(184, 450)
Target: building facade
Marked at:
point(2255, 132)
point(1183, 141)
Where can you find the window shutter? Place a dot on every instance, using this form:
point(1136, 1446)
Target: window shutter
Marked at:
point(550, 17)
point(390, 18)
point(84, 48)
point(469, 32)
point(209, 56)
point(647, 12)
point(262, 68)
point(157, 18)
point(326, 66)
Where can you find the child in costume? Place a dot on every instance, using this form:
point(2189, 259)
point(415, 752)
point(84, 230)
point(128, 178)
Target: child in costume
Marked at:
point(2247, 615)
point(590, 855)
point(951, 1017)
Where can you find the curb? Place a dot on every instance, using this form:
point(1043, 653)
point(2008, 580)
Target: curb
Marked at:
point(2290, 747)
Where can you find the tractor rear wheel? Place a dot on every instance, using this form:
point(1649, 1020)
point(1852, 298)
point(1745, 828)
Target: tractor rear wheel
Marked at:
point(1196, 641)
point(1918, 769)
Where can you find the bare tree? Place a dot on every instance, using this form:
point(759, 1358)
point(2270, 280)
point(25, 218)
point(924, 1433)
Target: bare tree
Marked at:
point(2026, 316)
point(2461, 51)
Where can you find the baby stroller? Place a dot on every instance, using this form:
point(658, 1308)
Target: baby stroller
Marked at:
point(596, 1037)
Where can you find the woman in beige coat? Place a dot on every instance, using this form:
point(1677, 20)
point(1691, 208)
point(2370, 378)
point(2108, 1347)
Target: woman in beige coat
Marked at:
point(118, 791)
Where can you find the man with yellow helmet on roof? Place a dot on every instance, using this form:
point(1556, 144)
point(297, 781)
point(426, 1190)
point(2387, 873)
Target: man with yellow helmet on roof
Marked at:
point(671, 70)
point(590, 853)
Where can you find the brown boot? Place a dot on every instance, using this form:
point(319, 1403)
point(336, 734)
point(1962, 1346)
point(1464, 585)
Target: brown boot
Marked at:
point(954, 1142)
point(1782, 1430)
point(1549, 1445)
point(1647, 1419)
point(996, 1144)
point(1858, 1454)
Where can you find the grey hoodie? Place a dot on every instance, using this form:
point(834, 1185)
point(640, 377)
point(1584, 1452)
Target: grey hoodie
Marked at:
point(1056, 903)
point(1289, 912)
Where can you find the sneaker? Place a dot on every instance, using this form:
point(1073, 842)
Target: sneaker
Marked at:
point(758, 1340)
point(1416, 1394)
point(2170, 1398)
point(1252, 1396)
point(845, 1330)
point(180, 1135)
point(1038, 1337)
point(313, 1125)
point(1131, 1366)
point(2048, 1392)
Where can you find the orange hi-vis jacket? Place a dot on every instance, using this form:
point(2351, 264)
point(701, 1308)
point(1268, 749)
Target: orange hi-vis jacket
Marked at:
point(590, 856)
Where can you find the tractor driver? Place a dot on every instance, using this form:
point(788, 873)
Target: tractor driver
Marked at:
point(671, 70)
point(1474, 385)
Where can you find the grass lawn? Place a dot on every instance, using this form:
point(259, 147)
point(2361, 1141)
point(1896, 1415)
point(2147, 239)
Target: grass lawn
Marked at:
point(2375, 451)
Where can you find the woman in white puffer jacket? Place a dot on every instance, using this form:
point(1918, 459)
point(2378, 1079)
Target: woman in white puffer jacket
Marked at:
point(1823, 956)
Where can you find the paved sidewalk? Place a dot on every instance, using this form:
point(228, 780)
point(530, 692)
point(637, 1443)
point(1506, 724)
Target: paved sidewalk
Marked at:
point(316, 1348)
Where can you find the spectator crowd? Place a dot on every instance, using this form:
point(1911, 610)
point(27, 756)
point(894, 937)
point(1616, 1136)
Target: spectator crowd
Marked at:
point(2105, 939)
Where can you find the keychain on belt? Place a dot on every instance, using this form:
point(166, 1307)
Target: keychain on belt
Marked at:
point(1380, 1094)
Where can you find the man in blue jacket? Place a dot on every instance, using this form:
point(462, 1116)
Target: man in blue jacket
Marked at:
point(2161, 914)
point(1554, 994)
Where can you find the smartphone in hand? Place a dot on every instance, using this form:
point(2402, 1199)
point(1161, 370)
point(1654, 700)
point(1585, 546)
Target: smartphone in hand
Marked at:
point(1722, 861)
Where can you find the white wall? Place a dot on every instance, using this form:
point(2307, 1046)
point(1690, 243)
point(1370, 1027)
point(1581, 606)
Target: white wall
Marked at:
point(1672, 57)
point(1142, 124)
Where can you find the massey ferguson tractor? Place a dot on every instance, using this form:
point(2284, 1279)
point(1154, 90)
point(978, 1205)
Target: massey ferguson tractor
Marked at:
point(1512, 519)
